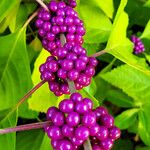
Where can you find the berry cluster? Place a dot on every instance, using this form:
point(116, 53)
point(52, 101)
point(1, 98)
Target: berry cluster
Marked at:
point(68, 61)
point(138, 45)
point(61, 19)
point(76, 68)
point(75, 121)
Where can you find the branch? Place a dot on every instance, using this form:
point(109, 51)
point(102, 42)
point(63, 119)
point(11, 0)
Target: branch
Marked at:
point(99, 53)
point(25, 127)
point(42, 4)
point(87, 144)
point(30, 18)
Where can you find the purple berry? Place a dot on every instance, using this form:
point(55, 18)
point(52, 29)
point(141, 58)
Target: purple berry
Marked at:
point(54, 143)
point(76, 97)
point(53, 6)
point(106, 144)
point(54, 86)
point(76, 141)
point(71, 56)
point(82, 133)
point(107, 120)
point(89, 119)
point(54, 133)
point(50, 36)
point(67, 131)
point(81, 107)
point(67, 64)
point(68, 21)
point(114, 133)
point(39, 23)
point(73, 74)
point(58, 119)
point(73, 119)
point(80, 65)
point(94, 130)
point(99, 111)
point(96, 147)
point(89, 103)
point(66, 106)
point(64, 88)
point(52, 66)
point(50, 112)
point(62, 74)
point(65, 145)
point(103, 133)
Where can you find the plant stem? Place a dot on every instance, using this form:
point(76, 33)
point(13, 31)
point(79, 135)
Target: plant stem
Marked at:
point(35, 88)
point(42, 4)
point(99, 53)
point(27, 95)
point(25, 127)
point(87, 144)
point(30, 18)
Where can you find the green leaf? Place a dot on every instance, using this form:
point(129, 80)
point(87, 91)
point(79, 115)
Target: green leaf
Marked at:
point(43, 98)
point(107, 6)
point(126, 119)
point(15, 75)
point(146, 33)
point(9, 140)
point(119, 98)
point(25, 9)
point(124, 144)
point(133, 82)
point(143, 127)
point(33, 140)
point(6, 6)
point(142, 148)
point(119, 46)
point(97, 24)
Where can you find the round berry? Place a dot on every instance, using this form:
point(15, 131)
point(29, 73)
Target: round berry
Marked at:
point(76, 97)
point(65, 145)
point(106, 144)
point(94, 130)
point(107, 120)
point(67, 131)
point(82, 133)
point(62, 74)
point(50, 112)
point(73, 74)
point(81, 107)
point(99, 111)
point(89, 103)
point(89, 119)
point(66, 106)
point(73, 119)
point(67, 64)
point(58, 119)
point(76, 141)
point(54, 133)
point(114, 133)
point(103, 133)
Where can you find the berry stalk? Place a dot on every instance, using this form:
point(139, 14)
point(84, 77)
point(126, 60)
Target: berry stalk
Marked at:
point(25, 127)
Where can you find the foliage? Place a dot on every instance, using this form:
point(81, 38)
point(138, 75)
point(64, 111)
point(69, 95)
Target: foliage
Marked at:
point(122, 80)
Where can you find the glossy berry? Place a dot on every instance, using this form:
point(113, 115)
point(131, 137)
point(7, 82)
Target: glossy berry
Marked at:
point(65, 145)
point(76, 97)
point(50, 112)
point(107, 120)
point(89, 119)
point(103, 133)
point(73, 119)
point(54, 133)
point(82, 133)
point(114, 133)
point(58, 119)
point(81, 107)
point(94, 130)
point(66, 106)
point(106, 144)
point(67, 131)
